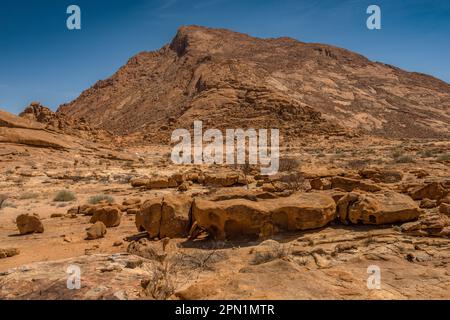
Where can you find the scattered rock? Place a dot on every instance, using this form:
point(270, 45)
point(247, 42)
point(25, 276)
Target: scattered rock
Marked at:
point(433, 191)
point(8, 252)
point(131, 202)
point(165, 217)
point(444, 208)
point(381, 175)
point(139, 182)
point(240, 217)
point(161, 182)
point(149, 218)
point(428, 204)
point(118, 243)
point(96, 231)
point(109, 215)
point(29, 224)
point(348, 184)
point(183, 187)
point(377, 208)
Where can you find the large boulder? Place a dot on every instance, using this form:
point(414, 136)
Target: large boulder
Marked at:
point(242, 217)
point(96, 231)
point(109, 215)
point(29, 224)
point(165, 217)
point(149, 218)
point(377, 208)
point(161, 182)
point(175, 216)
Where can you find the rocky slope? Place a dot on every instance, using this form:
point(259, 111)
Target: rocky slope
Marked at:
point(228, 79)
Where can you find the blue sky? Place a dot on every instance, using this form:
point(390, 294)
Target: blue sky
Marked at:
point(41, 60)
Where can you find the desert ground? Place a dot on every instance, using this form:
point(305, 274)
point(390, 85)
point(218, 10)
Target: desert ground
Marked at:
point(321, 262)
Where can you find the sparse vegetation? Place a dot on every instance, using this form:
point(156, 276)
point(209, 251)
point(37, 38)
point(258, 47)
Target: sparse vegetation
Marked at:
point(288, 164)
point(64, 196)
point(404, 159)
point(443, 157)
point(29, 195)
point(173, 272)
point(100, 197)
point(271, 252)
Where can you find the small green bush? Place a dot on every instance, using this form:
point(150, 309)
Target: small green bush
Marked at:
point(444, 157)
point(404, 159)
point(100, 197)
point(29, 195)
point(64, 196)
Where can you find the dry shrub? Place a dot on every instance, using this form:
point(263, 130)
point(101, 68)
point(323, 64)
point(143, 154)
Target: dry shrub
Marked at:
point(64, 196)
point(288, 164)
point(294, 181)
point(270, 252)
point(172, 273)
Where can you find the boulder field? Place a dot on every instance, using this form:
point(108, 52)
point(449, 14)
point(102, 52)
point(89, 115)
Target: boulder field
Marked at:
point(231, 218)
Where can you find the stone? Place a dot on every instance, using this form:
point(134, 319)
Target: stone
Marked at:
point(139, 182)
point(222, 179)
point(377, 208)
point(109, 215)
point(444, 208)
point(161, 182)
point(29, 224)
point(237, 218)
point(8, 252)
point(432, 191)
point(348, 184)
point(96, 231)
point(117, 243)
point(175, 216)
point(149, 217)
point(183, 187)
point(428, 204)
point(381, 175)
point(165, 217)
point(428, 225)
point(133, 211)
point(317, 184)
point(131, 202)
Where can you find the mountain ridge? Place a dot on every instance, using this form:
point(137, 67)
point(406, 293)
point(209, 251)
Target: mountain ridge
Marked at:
point(229, 79)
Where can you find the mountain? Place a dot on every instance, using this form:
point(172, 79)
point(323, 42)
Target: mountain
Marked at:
point(230, 80)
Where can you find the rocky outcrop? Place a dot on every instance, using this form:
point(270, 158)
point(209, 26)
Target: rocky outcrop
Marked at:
point(235, 218)
point(377, 208)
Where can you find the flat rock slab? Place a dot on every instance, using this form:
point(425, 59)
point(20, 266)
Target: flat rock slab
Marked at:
point(242, 217)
